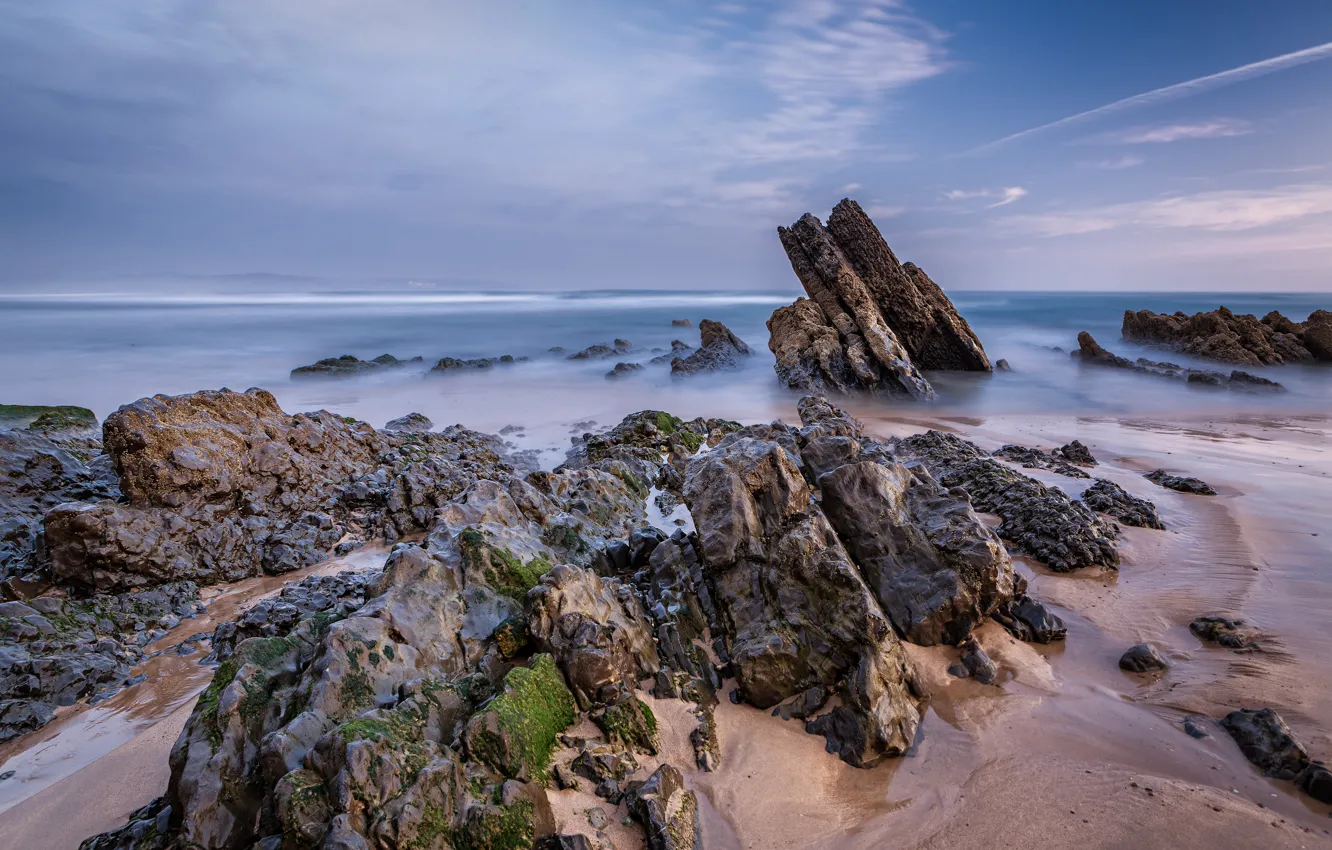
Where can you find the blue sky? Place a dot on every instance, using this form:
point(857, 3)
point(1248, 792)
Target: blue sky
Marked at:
point(619, 144)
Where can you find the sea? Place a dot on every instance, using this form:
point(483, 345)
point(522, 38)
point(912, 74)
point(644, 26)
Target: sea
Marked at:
point(104, 348)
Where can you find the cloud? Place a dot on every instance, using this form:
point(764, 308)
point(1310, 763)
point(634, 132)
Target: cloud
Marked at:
point(884, 210)
point(1005, 196)
point(1217, 128)
point(1120, 164)
point(1188, 88)
point(1225, 211)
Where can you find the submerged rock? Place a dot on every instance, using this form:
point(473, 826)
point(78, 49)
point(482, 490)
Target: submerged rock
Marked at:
point(350, 365)
point(454, 364)
point(1090, 352)
point(623, 370)
point(1142, 658)
point(1223, 631)
point(719, 350)
point(1181, 483)
point(1241, 339)
point(601, 351)
point(872, 323)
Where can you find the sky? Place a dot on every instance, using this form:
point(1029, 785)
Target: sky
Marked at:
point(1029, 144)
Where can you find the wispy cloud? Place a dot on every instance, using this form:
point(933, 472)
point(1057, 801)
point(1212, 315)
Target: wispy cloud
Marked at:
point(1004, 196)
point(1216, 128)
point(1220, 211)
point(1188, 88)
point(1125, 161)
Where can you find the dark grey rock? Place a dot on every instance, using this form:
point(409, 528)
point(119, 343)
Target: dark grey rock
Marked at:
point(1142, 658)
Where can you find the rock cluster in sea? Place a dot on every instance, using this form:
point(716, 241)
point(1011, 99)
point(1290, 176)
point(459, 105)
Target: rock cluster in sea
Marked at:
point(347, 364)
point(871, 323)
point(1241, 339)
point(1090, 352)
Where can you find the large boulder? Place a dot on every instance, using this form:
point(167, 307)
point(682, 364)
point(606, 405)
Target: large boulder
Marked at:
point(796, 612)
point(872, 323)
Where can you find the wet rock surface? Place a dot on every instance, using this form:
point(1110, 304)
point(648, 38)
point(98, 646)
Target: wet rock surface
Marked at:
point(1223, 631)
point(1241, 339)
point(1039, 520)
point(347, 364)
point(446, 365)
point(623, 370)
point(218, 486)
point(1180, 483)
point(1090, 352)
point(1029, 620)
point(1142, 658)
point(1030, 458)
point(56, 651)
point(1266, 741)
point(871, 323)
point(1109, 498)
point(719, 350)
point(601, 351)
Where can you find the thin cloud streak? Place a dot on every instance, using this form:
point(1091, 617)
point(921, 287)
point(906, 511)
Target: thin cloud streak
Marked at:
point(1188, 88)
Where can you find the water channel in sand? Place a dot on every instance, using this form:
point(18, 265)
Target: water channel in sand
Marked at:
point(1065, 750)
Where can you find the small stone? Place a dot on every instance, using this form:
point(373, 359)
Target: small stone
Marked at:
point(1142, 658)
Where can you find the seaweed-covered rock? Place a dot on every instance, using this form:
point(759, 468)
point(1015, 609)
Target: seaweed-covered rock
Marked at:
point(1180, 483)
point(596, 630)
point(1040, 520)
point(871, 323)
point(1223, 631)
point(795, 609)
point(1109, 498)
point(667, 811)
point(516, 732)
point(720, 350)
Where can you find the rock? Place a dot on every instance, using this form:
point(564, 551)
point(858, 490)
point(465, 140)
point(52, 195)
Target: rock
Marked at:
point(936, 568)
point(1316, 781)
point(1142, 658)
point(1222, 631)
point(872, 323)
point(349, 365)
point(37, 473)
point(977, 661)
point(1193, 726)
point(1109, 498)
point(1317, 340)
point(1028, 620)
point(53, 421)
point(1223, 335)
point(454, 364)
point(412, 423)
point(601, 351)
point(667, 811)
point(597, 631)
point(1001, 365)
point(1037, 459)
point(795, 609)
point(1180, 483)
point(1090, 352)
point(1042, 521)
point(623, 370)
point(681, 323)
point(1075, 452)
point(515, 733)
point(629, 723)
point(1265, 740)
point(720, 350)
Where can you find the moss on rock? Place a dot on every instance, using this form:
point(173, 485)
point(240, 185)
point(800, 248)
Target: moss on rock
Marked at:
point(516, 731)
point(631, 723)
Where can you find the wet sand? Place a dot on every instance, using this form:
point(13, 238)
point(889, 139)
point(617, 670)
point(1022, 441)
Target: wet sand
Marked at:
point(1067, 750)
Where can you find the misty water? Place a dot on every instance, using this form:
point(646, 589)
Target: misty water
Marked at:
point(102, 350)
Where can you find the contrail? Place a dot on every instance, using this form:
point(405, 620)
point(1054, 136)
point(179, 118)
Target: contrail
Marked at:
point(1178, 90)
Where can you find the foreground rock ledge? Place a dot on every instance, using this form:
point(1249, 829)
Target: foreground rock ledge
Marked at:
point(871, 323)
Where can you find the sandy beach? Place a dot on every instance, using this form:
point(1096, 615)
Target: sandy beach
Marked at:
point(1066, 750)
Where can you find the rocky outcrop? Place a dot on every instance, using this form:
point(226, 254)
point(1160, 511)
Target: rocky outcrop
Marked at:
point(1241, 339)
point(50, 420)
point(36, 474)
point(1109, 498)
point(1030, 458)
point(221, 485)
point(668, 811)
point(623, 370)
point(347, 364)
point(1266, 741)
point(719, 350)
point(1040, 520)
point(1090, 352)
point(1180, 483)
point(871, 323)
point(795, 609)
point(454, 364)
point(601, 351)
point(412, 423)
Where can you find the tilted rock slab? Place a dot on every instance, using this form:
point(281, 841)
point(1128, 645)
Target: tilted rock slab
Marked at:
point(795, 609)
point(872, 323)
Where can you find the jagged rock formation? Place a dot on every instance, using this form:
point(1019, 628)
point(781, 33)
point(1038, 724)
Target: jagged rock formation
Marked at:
point(1029, 458)
point(1040, 520)
point(719, 350)
point(600, 351)
point(347, 364)
point(1109, 498)
point(623, 370)
point(1180, 483)
point(218, 486)
point(871, 323)
point(1243, 339)
point(1090, 352)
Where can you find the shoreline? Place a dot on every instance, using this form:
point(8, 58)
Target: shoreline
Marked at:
point(1250, 551)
